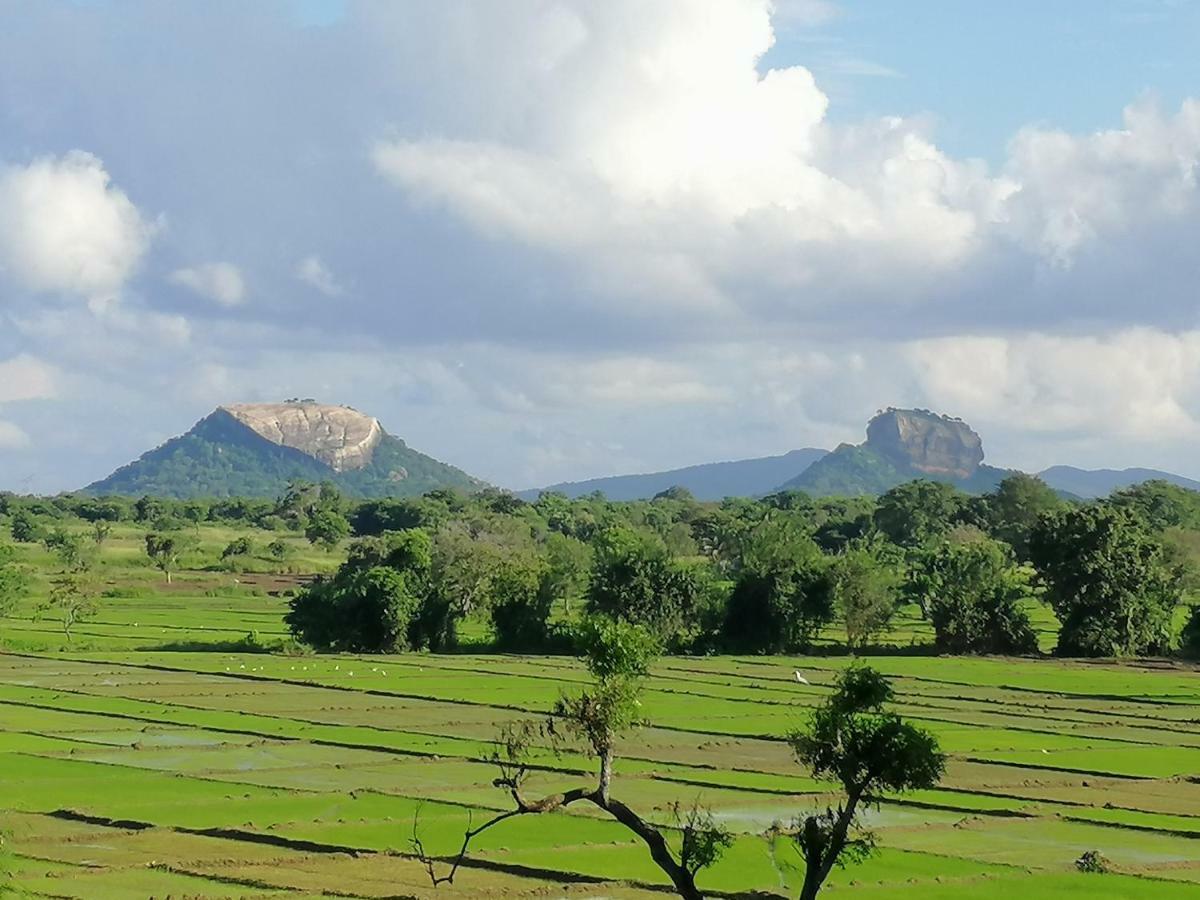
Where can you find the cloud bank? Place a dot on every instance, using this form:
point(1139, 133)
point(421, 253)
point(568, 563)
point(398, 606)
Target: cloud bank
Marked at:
point(586, 237)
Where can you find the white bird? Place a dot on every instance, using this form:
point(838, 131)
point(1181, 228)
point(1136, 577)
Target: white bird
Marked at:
point(800, 678)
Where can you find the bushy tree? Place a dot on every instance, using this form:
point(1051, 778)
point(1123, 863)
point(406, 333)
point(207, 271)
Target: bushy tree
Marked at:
point(25, 528)
point(1012, 511)
point(372, 604)
point(520, 604)
point(976, 597)
point(164, 551)
point(239, 546)
point(783, 593)
point(854, 740)
point(1189, 640)
point(568, 564)
point(864, 590)
point(1108, 580)
point(913, 513)
point(14, 583)
point(1160, 504)
point(358, 611)
point(326, 527)
point(633, 578)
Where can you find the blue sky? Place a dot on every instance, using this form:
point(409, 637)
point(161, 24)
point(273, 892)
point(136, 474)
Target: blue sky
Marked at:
point(984, 70)
point(554, 239)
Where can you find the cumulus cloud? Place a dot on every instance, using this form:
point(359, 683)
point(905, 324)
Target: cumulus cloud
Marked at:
point(1141, 384)
point(637, 221)
point(313, 272)
point(64, 227)
point(220, 282)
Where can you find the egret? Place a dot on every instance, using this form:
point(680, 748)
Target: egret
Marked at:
point(800, 678)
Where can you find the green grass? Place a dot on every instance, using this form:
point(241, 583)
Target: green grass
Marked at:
point(152, 714)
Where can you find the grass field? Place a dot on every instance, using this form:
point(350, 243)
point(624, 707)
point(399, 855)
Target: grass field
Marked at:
point(150, 757)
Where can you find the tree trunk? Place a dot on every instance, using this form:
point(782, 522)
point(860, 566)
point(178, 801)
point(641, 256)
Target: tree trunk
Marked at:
point(605, 777)
point(660, 851)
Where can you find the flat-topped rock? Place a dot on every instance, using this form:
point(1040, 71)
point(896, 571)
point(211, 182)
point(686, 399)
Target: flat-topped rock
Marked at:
point(342, 438)
point(926, 442)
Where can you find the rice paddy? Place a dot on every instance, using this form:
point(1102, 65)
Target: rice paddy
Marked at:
point(150, 757)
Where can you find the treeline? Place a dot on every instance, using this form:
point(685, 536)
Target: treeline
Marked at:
point(754, 576)
point(768, 575)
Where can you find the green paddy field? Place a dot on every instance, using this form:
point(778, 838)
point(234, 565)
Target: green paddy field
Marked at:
point(152, 756)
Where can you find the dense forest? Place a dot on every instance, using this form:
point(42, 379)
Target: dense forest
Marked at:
point(743, 575)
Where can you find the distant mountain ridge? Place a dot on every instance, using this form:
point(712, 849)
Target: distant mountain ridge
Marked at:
point(1091, 483)
point(254, 450)
point(707, 481)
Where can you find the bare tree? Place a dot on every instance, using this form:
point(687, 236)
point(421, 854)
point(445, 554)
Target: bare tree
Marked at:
point(618, 656)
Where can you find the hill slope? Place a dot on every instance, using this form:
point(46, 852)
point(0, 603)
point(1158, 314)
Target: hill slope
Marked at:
point(901, 445)
point(245, 451)
point(709, 481)
point(1090, 483)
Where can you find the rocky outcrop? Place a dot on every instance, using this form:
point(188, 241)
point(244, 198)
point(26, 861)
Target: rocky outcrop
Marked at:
point(342, 438)
point(926, 442)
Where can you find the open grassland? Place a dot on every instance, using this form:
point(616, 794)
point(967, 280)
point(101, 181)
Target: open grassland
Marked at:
point(151, 756)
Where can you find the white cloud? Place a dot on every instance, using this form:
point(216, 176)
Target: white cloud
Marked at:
point(12, 437)
point(1139, 384)
point(26, 378)
point(1076, 190)
point(220, 282)
point(313, 272)
point(65, 228)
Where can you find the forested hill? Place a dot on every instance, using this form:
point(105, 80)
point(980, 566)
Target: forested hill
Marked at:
point(242, 452)
point(902, 445)
point(709, 481)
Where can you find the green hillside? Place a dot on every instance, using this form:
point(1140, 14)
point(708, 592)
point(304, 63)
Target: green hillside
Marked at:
point(220, 457)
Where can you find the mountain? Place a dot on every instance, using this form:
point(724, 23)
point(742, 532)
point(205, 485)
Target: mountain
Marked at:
point(710, 481)
point(1090, 483)
point(902, 444)
point(255, 449)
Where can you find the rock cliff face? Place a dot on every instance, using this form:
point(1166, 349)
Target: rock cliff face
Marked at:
point(342, 438)
point(926, 442)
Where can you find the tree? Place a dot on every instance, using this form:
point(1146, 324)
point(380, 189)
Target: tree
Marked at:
point(976, 597)
point(915, 512)
point(101, 529)
point(327, 527)
point(71, 599)
point(164, 551)
point(357, 611)
point(238, 547)
point(783, 594)
point(14, 583)
point(373, 602)
point(864, 589)
point(148, 509)
point(520, 607)
point(634, 578)
point(1160, 504)
point(67, 548)
point(25, 528)
point(279, 549)
point(618, 657)
point(1109, 581)
point(854, 740)
point(1189, 640)
point(1012, 511)
point(568, 561)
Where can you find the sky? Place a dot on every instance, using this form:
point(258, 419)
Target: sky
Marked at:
point(557, 239)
